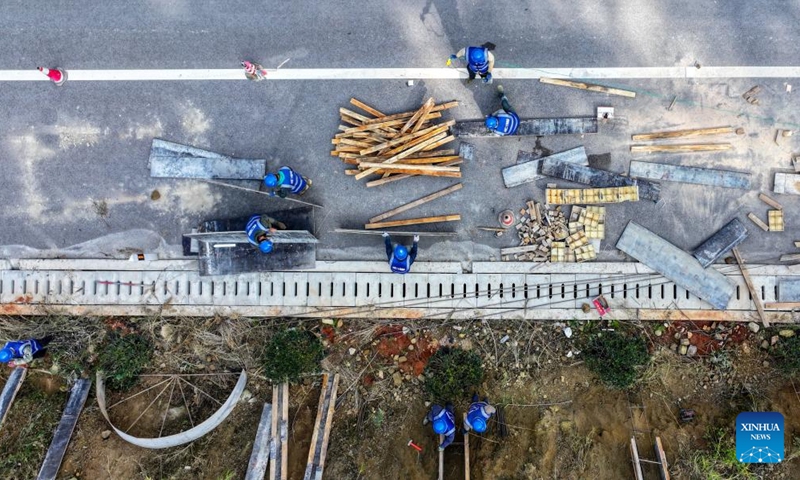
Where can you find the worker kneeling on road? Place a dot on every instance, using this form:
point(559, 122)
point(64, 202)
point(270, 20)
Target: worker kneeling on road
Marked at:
point(480, 61)
point(478, 415)
point(259, 233)
point(286, 181)
point(444, 423)
point(22, 352)
point(400, 259)
point(504, 121)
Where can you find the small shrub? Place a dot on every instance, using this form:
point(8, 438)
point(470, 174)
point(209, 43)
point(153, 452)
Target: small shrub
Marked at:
point(291, 354)
point(615, 356)
point(452, 373)
point(123, 359)
point(786, 354)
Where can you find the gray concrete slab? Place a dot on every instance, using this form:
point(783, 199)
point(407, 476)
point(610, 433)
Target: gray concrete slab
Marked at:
point(527, 169)
point(583, 174)
point(693, 175)
point(786, 183)
point(676, 265)
point(717, 245)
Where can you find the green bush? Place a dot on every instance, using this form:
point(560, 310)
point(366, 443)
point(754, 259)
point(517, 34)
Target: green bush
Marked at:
point(786, 354)
point(123, 358)
point(291, 354)
point(452, 373)
point(614, 357)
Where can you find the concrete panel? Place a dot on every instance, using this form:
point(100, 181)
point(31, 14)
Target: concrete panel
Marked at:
point(528, 169)
point(531, 126)
point(732, 234)
point(788, 289)
point(787, 183)
point(695, 175)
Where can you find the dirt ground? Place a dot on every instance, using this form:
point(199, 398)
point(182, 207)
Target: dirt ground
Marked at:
point(561, 421)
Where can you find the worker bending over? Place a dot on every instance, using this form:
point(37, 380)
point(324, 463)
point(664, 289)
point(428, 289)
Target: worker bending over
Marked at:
point(444, 423)
point(259, 229)
point(478, 415)
point(480, 61)
point(286, 181)
point(22, 352)
point(400, 259)
point(504, 121)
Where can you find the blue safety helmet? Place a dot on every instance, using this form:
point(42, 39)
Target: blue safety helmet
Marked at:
point(400, 252)
point(477, 56)
point(479, 425)
point(271, 180)
point(491, 122)
point(6, 355)
point(265, 246)
point(440, 426)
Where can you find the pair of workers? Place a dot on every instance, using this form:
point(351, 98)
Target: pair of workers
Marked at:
point(443, 420)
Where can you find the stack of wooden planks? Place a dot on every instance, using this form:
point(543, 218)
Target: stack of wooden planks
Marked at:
point(680, 134)
point(396, 146)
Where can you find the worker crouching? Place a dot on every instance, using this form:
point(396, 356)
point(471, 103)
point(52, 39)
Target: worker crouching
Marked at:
point(259, 230)
point(400, 259)
point(443, 421)
point(504, 121)
point(286, 181)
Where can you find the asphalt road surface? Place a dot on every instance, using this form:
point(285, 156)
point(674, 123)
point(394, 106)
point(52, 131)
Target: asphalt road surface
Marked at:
point(74, 166)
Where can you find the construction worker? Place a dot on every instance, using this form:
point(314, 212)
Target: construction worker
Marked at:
point(22, 352)
point(400, 259)
point(254, 71)
point(480, 61)
point(286, 181)
point(444, 423)
point(259, 234)
point(478, 415)
point(504, 121)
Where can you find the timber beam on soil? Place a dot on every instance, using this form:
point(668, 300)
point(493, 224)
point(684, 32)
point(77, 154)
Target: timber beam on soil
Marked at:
point(322, 428)
point(12, 386)
point(58, 446)
point(279, 445)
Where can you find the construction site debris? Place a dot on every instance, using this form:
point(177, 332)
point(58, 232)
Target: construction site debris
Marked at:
point(753, 218)
point(558, 196)
point(589, 87)
point(693, 175)
point(775, 220)
point(594, 177)
point(769, 201)
point(750, 95)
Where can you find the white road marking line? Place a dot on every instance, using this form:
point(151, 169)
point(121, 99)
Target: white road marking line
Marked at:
point(33, 75)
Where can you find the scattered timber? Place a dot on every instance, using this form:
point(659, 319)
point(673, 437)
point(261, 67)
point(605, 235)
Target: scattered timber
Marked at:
point(696, 132)
point(279, 433)
point(661, 458)
point(686, 148)
point(259, 458)
point(588, 86)
point(753, 293)
point(396, 146)
point(693, 175)
point(782, 305)
point(12, 386)
point(58, 446)
point(413, 221)
point(322, 428)
point(770, 201)
point(538, 127)
point(409, 234)
point(763, 226)
point(416, 203)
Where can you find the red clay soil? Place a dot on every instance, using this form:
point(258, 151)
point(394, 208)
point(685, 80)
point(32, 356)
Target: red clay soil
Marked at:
point(703, 334)
point(392, 341)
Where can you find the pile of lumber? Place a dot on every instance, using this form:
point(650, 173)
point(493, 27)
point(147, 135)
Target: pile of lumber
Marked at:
point(549, 235)
point(681, 134)
point(396, 146)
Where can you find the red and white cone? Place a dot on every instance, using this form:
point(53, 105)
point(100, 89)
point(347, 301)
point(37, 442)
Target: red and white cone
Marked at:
point(57, 75)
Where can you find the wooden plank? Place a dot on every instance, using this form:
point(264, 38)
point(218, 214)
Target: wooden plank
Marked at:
point(418, 161)
point(439, 133)
point(416, 203)
point(58, 446)
point(385, 124)
point(274, 465)
point(427, 170)
point(397, 116)
point(259, 457)
point(403, 176)
point(350, 113)
point(769, 201)
point(326, 433)
point(414, 221)
point(441, 458)
point(406, 138)
point(313, 447)
point(439, 143)
point(790, 258)
point(466, 452)
point(285, 431)
point(694, 132)
point(425, 110)
point(753, 218)
point(12, 386)
point(637, 467)
point(796, 244)
point(355, 143)
point(588, 86)
point(782, 305)
point(403, 154)
point(685, 148)
point(514, 250)
point(749, 282)
point(661, 457)
point(411, 121)
point(363, 106)
point(396, 233)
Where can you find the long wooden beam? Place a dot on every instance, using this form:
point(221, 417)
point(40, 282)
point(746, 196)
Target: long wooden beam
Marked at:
point(406, 138)
point(363, 106)
point(414, 221)
point(437, 108)
point(431, 170)
point(686, 148)
point(12, 386)
point(588, 86)
point(749, 282)
point(396, 233)
point(403, 176)
point(416, 203)
point(695, 132)
point(58, 446)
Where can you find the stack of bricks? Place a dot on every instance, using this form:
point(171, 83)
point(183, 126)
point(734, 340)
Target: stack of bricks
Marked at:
point(571, 196)
point(775, 220)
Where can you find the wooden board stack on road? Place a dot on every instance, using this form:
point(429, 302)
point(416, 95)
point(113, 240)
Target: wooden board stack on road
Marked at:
point(396, 146)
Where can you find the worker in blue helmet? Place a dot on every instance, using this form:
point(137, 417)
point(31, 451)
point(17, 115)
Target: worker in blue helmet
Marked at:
point(19, 353)
point(400, 259)
point(443, 421)
point(479, 60)
point(504, 121)
point(478, 415)
point(259, 229)
point(286, 181)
